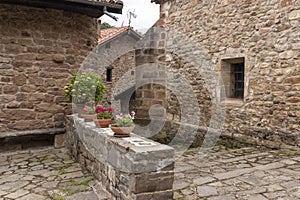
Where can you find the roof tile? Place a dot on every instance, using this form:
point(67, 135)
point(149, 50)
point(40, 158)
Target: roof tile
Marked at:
point(109, 33)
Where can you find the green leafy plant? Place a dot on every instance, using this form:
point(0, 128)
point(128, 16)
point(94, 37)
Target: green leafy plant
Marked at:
point(84, 88)
point(104, 113)
point(125, 120)
point(68, 88)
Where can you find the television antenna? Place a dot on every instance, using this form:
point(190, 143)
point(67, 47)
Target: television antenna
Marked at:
point(131, 14)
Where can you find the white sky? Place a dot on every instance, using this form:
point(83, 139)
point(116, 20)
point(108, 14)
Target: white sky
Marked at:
point(147, 14)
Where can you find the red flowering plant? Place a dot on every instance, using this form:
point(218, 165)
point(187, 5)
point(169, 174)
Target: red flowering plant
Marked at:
point(103, 112)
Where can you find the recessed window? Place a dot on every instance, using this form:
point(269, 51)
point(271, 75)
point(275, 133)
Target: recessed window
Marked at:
point(233, 74)
point(109, 74)
point(107, 45)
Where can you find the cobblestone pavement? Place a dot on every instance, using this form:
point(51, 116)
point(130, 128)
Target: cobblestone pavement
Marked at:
point(246, 173)
point(45, 174)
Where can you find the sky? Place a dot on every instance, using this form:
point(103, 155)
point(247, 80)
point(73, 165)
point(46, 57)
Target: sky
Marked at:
point(147, 14)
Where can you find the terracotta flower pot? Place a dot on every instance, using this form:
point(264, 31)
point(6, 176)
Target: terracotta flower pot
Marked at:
point(121, 131)
point(79, 109)
point(102, 123)
point(89, 118)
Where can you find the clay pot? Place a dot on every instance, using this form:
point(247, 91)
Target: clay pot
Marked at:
point(79, 109)
point(89, 118)
point(102, 123)
point(121, 131)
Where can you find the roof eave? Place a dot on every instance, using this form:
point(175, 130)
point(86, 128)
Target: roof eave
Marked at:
point(89, 8)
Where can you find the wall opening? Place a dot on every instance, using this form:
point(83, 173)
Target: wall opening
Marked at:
point(233, 74)
point(109, 74)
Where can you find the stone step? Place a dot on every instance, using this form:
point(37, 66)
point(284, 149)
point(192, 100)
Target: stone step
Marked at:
point(53, 131)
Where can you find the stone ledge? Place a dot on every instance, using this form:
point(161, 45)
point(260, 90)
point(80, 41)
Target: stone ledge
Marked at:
point(53, 131)
point(133, 154)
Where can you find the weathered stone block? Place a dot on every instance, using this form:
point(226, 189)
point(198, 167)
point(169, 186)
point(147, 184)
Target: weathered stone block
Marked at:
point(26, 125)
point(165, 195)
point(294, 15)
point(58, 58)
point(285, 3)
point(6, 79)
point(13, 104)
point(148, 94)
point(36, 97)
point(26, 56)
point(47, 107)
point(28, 88)
point(19, 114)
point(20, 79)
point(7, 98)
point(10, 89)
point(294, 99)
point(59, 140)
point(151, 182)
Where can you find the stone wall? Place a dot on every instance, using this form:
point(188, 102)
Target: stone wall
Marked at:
point(266, 35)
point(128, 168)
point(40, 49)
point(123, 65)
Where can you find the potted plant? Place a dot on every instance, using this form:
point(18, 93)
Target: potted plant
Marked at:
point(89, 114)
point(104, 116)
point(124, 125)
point(84, 88)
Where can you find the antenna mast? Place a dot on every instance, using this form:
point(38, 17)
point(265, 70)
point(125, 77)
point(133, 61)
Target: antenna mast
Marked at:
point(131, 14)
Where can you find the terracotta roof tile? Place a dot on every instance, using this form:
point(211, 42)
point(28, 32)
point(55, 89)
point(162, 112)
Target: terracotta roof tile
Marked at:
point(109, 33)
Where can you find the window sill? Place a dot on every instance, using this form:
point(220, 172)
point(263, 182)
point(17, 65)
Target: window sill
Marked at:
point(234, 101)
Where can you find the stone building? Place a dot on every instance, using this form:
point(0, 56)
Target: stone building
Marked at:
point(113, 38)
point(248, 57)
point(42, 43)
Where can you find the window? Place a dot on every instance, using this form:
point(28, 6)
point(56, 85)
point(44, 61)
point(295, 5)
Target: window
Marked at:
point(238, 71)
point(233, 74)
point(109, 74)
point(107, 45)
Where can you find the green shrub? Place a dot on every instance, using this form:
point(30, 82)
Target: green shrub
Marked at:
point(84, 88)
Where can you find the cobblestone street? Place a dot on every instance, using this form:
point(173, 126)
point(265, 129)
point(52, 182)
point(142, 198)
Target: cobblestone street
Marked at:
point(246, 173)
point(45, 174)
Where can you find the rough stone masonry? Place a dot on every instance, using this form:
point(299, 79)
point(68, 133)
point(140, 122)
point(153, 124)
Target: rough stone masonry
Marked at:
point(40, 49)
point(261, 36)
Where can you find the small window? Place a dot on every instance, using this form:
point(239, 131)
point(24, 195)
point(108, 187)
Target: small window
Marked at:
point(238, 75)
point(107, 45)
point(233, 74)
point(109, 74)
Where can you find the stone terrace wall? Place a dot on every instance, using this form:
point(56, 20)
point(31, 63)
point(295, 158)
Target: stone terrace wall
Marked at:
point(40, 49)
point(266, 34)
point(128, 168)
